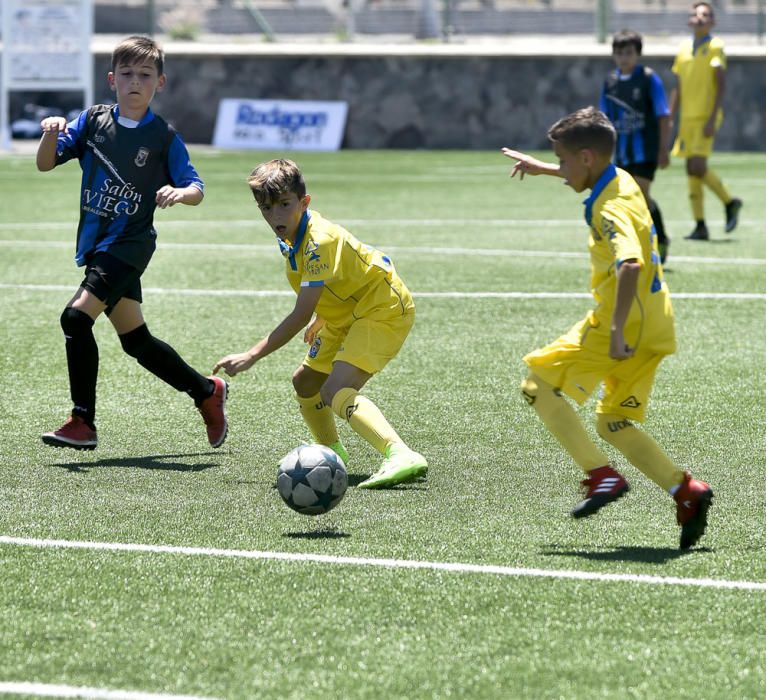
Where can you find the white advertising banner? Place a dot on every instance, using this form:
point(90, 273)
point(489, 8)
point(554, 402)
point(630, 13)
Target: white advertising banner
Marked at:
point(298, 125)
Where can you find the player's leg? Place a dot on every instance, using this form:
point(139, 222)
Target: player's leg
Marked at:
point(317, 414)
point(696, 166)
point(624, 402)
point(604, 484)
point(157, 356)
point(77, 319)
point(367, 348)
point(645, 182)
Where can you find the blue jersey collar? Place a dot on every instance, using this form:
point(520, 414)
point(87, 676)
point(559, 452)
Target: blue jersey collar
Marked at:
point(604, 179)
point(696, 44)
point(145, 119)
point(290, 251)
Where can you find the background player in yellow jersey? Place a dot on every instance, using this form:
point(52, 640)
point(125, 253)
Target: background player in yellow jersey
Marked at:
point(363, 311)
point(621, 342)
point(700, 68)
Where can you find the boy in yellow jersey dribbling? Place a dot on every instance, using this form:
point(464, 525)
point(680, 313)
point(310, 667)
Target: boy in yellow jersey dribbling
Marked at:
point(355, 310)
point(622, 341)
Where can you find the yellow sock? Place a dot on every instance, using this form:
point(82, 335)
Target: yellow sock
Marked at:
point(696, 197)
point(319, 418)
point(562, 420)
point(714, 183)
point(365, 418)
point(640, 450)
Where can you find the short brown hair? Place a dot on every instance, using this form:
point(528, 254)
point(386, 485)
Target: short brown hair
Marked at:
point(274, 178)
point(138, 48)
point(585, 128)
point(627, 37)
point(705, 4)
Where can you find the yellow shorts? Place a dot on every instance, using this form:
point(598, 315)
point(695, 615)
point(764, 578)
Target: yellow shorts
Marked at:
point(691, 141)
point(577, 362)
point(367, 344)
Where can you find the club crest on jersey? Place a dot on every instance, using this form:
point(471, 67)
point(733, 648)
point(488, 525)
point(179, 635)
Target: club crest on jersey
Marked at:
point(141, 157)
point(310, 250)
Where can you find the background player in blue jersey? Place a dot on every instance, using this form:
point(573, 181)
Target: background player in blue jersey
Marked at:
point(132, 162)
point(633, 97)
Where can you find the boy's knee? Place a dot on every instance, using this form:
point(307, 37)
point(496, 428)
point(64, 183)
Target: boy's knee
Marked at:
point(136, 342)
point(608, 425)
point(75, 323)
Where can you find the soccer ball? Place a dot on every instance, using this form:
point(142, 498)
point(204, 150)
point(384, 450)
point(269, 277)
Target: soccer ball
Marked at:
point(312, 479)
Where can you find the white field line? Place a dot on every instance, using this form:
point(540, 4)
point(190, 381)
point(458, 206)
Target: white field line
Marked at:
point(268, 293)
point(49, 690)
point(403, 250)
point(256, 224)
point(454, 567)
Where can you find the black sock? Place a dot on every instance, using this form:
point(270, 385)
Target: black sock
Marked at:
point(82, 362)
point(164, 362)
point(659, 225)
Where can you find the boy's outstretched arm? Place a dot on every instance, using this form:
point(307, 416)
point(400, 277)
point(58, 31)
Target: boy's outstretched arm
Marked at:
point(527, 165)
point(168, 195)
point(291, 325)
point(46, 150)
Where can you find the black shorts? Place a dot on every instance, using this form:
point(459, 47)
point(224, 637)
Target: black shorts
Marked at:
point(645, 170)
point(110, 279)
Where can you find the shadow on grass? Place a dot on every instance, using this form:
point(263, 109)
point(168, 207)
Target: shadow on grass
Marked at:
point(645, 555)
point(162, 462)
point(327, 533)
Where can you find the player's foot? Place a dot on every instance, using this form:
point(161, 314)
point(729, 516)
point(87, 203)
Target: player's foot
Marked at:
point(693, 499)
point(603, 485)
point(400, 466)
point(700, 233)
point(339, 449)
point(213, 410)
point(663, 247)
point(732, 214)
point(75, 433)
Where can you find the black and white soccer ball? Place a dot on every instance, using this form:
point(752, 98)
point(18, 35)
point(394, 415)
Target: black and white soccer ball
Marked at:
point(312, 479)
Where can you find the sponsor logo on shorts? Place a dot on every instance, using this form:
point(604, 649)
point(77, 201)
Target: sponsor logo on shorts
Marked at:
point(315, 347)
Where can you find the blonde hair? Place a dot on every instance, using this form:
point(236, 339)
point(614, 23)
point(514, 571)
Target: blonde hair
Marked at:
point(274, 178)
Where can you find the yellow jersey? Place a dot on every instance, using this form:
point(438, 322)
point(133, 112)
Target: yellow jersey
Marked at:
point(358, 281)
point(621, 229)
point(696, 68)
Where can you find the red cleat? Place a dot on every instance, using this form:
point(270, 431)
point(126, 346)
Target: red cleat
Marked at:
point(213, 410)
point(75, 433)
point(693, 499)
point(603, 485)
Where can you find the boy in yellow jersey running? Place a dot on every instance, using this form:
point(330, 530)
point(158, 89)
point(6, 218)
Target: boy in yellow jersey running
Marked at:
point(700, 68)
point(362, 312)
point(621, 342)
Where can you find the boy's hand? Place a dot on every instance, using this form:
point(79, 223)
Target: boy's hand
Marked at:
point(312, 330)
point(618, 348)
point(526, 165)
point(54, 125)
point(234, 364)
point(167, 196)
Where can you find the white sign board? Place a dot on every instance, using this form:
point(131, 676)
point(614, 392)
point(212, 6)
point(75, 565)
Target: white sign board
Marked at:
point(297, 125)
point(46, 46)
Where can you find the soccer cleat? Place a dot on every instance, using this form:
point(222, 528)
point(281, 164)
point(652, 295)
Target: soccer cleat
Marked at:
point(693, 500)
point(732, 214)
point(603, 485)
point(700, 233)
point(400, 466)
point(339, 449)
point(213, 410)
point(75, 433)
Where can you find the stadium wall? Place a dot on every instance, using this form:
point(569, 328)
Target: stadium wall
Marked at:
point(438, 96)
